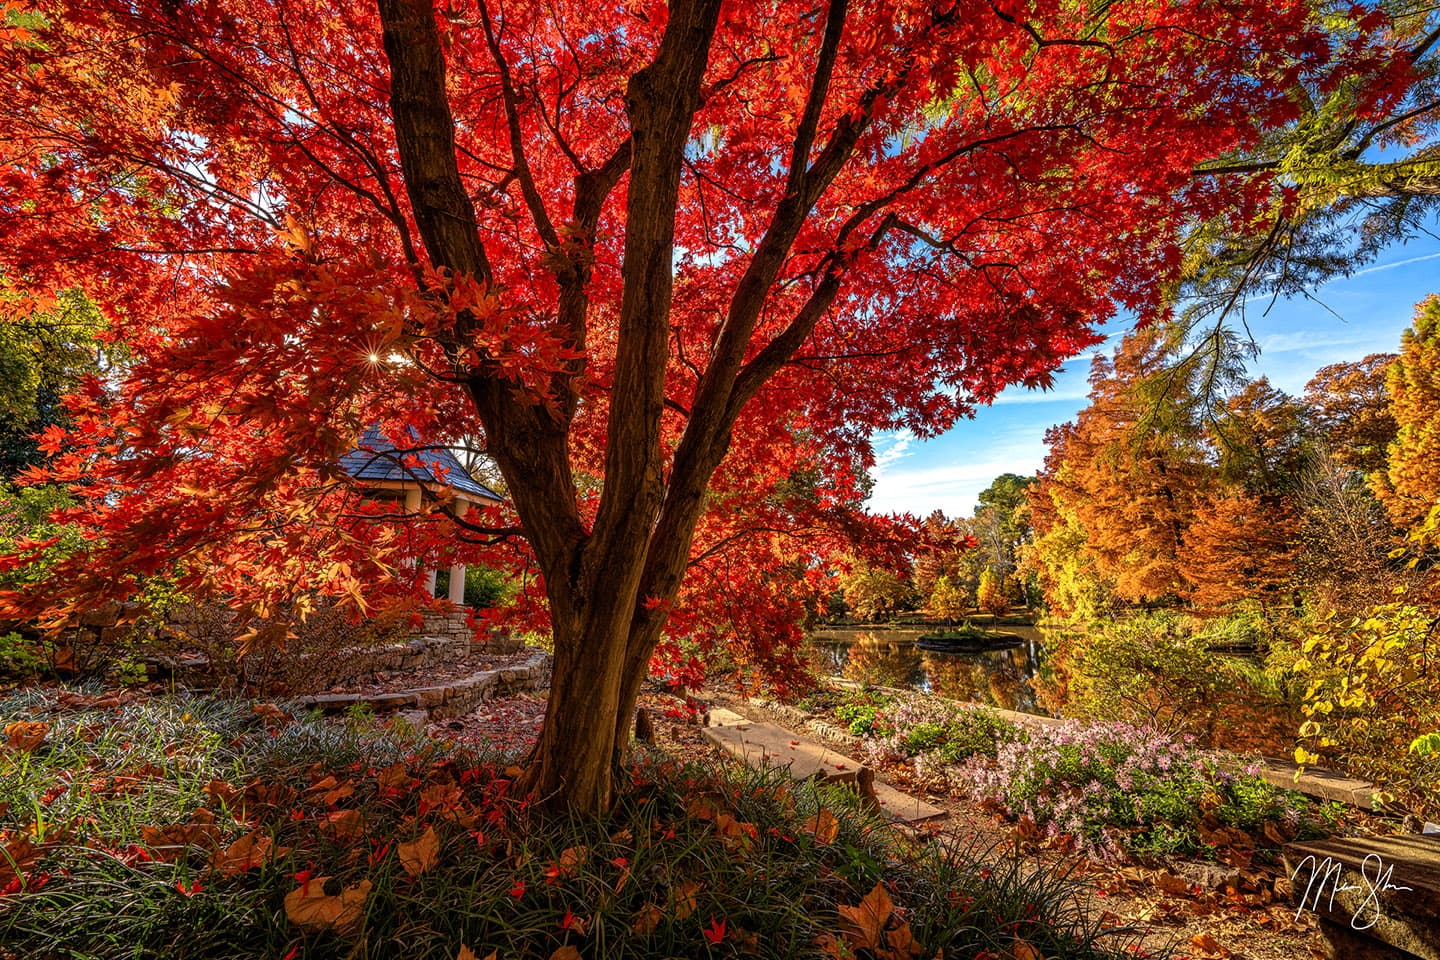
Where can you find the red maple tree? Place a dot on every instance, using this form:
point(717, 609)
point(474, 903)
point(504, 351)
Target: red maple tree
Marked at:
point(640, 249)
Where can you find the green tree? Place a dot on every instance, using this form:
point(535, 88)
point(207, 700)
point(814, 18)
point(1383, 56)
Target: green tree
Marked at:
point(1346, 182)
point(44, 354)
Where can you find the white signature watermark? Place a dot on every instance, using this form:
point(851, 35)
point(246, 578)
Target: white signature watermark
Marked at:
point(1326, 882)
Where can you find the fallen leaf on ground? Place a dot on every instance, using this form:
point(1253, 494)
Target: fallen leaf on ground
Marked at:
point(247, 853)
point(864, 925)
point(1209, 946)
point(647, 919)
point(17, 855)
point(824, 827)
point(25, 734)
point(344, 824)
point(311, 908)
point(566, 952)
point(682, 899)
point(421, 855)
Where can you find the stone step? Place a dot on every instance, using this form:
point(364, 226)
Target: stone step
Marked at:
point(1378, 898)
point(764, 744)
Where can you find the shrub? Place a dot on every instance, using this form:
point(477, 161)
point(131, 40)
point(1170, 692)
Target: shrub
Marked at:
point(1372, 689)
point(917, 725)
point(1119, 787)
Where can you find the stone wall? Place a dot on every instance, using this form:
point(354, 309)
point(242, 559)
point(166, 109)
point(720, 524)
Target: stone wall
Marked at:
point(455, 699)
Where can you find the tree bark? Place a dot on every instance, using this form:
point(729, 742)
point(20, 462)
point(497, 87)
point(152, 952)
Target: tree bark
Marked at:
point(607, 585)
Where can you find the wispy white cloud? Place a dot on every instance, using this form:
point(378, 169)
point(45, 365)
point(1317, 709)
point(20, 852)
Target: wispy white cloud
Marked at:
point(1398, 263)
point(953, 486)
point(1307, 340)
point(891, 447)
point(1066, 393)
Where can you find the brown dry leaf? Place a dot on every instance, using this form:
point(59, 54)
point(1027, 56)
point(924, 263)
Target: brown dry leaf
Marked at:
point(440, 796)
point(309, 907)
point(1171, 884)
point(832, 946)
point(746, 941)
point(864, 925)
point(396, 777)
point(647, 919)
point(682, 899)
point(737, 833)
point(247, 853)
point(170, 842)
point(824, 827)
point(1026, 951)
point(1027, 829)
point(566, 952)
point(1209, 946)
point(903, 945)
point(572, 858)
point(25, 735)
point(421, 855)
point(514, 772)
point(467, 954)
point(344, 824)
point(702, 808)
point(268, 711)
point(1274, 834)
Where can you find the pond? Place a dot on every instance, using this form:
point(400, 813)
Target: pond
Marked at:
point(887, 656)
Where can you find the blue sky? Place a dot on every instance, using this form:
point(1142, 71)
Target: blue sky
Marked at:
point(1296, 337)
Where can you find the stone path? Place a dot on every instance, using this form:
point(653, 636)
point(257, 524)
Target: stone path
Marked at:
point(765, 744)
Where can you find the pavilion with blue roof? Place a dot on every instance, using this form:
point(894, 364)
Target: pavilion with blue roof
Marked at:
point(412, 473)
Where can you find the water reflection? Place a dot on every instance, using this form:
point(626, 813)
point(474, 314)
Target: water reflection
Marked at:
point(998, 678)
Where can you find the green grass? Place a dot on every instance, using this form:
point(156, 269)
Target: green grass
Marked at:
point(92, 793)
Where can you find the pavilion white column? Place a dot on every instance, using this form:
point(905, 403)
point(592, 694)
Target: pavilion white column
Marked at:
point(413, 496)
point(457, 570)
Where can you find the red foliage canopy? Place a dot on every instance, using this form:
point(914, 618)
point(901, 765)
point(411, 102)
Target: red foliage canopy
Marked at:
point(643, 250)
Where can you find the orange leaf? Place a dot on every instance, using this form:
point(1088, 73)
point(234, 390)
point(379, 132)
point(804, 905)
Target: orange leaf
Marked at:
point(824, 827)
point(566, 952)
point(311, 908)
point(395, 777)
point(25, 735)
point(467, 954)
point(344, 824)
point(1026, 951)
point(250, 851)
point(421, 855)
point(647, 919)
point(682, 899)
point(1209, 946)
point(864, 925)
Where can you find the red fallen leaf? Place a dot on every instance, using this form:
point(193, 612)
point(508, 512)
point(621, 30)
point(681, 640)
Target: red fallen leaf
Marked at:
point(715, 933)
point(193, 889)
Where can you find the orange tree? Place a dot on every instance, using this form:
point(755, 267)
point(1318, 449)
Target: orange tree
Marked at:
point(638, 248)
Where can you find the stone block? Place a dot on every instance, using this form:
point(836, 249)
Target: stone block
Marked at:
point(429, 697)
point(1376, 897)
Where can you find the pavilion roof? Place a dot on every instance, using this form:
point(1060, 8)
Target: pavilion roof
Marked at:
point(377, 459)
